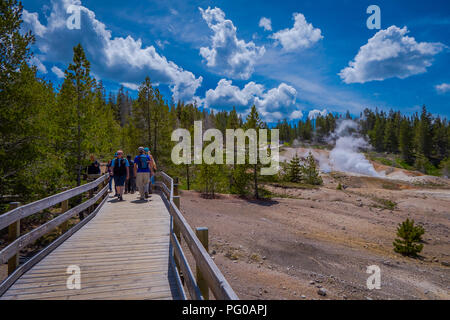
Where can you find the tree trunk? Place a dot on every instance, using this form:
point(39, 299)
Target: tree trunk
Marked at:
point(255, 179)
point(149, 123)
point(187, 177)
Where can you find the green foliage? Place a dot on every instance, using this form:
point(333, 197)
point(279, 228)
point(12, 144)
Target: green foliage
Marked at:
point(310, 172)
point(240, 179)
point(445, 167)
point(211, 179)
point(294, 170)
point(409, 239)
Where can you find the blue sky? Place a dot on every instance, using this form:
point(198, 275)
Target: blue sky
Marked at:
point(303, 56)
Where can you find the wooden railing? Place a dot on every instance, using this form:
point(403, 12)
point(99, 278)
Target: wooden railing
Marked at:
point(11, 220)
point(208, 274)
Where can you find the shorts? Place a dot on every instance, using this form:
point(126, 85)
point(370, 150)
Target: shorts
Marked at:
point(119, 181)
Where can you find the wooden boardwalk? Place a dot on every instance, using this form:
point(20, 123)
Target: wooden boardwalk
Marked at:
point(122, 253)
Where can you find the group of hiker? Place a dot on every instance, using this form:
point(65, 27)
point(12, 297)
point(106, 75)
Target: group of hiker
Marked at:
point(131, 175)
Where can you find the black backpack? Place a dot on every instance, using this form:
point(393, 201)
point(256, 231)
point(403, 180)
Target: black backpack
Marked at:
point(120, 168)
point(131, 163)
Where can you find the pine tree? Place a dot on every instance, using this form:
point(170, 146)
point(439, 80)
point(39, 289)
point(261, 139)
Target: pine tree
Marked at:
point(294, 170)
point(143, 111)
point(406, 142)
point(78, 90)
point(409, 238)
point(421, 163)
point(424, 134)
point(254, 122)
point(391, 134)
point(310, 172)
point(377, 133)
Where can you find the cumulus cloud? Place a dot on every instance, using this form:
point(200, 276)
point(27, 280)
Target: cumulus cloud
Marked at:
point(131, 86)
point(313, 114)
point(390, 53)
point(121, 59)
point(297, 114)
point(33, 20)
point(265, 23)
point(274, 104)
point(35, 61)
point(228, 54)
point(443, 87)
point(58, 72)
point(302, 35)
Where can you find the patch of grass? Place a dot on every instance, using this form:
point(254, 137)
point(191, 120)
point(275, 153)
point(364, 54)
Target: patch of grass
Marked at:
point(402, 164)
point(255, 257)
point(384, 203)
point(386, 162)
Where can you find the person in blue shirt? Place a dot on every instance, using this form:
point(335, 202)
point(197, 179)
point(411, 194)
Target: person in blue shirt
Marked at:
point(152, 169)
point(142, 172)
point(120, 172)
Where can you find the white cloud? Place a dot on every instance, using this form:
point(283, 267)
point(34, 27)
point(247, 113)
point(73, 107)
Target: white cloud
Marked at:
point(390, 53)
point(265, 23)
point(131, 86)
point(33, 20)
point(162, 43)
point(274, 104)
point(313, 114)
point(301, 35)
point(297, 114)
point(58, 72)
point(35, 61)
point(443, 87)
point(120, 59)
point(228, 54)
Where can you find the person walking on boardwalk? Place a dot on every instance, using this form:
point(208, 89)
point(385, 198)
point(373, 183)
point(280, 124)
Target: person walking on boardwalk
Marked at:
point(120, 172)
point(108, 170)
point(142, 172)
point(94, 167)
point(152, 170)
point(130, 184)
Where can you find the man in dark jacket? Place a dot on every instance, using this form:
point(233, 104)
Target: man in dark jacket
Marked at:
point(130, 184)
point(120, 172)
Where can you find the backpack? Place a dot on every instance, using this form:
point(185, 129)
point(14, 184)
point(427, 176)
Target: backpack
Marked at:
point(131, 163)
point(120, 168)
point(143, 162)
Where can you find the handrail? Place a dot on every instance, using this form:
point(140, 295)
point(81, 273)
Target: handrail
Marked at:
point(24, 211)
point(17, 241)
point(15, 246)
point(214, 278)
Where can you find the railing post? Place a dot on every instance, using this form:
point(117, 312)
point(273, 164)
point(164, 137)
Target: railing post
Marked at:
point(202, 235)
point(13, 234)
point(176, 192)
point(176, 200)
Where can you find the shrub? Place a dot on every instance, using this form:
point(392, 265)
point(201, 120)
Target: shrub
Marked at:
point(410, 236)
